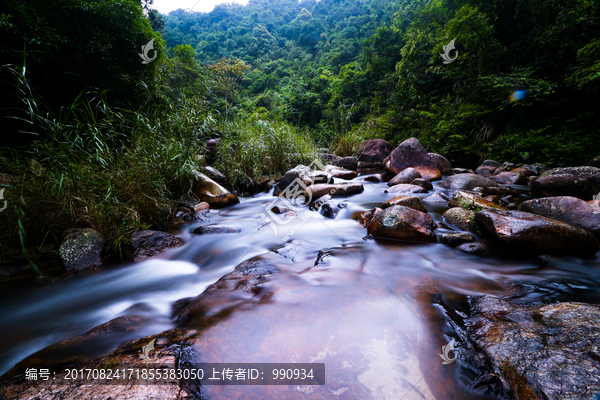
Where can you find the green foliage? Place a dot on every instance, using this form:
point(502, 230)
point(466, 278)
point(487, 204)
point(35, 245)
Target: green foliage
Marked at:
point(257, 147)
point(112, 169)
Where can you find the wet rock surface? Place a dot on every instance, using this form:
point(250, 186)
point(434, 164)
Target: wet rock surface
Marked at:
point(81, 249)
point(487, 168)
point(407, 175)
point(510, 178)
point(534, 233)
point(148, 243)
point(338, 190)
point(213, 230)
point(409, 201)
point(467, 182)
point(570, 210)
point(211, 192)
point(482, 249)
point(441, 163)
point(406, 188)
point(461, 218)
point(456, 239)
point(471, 201)
point(536, 351)
point(402, 223)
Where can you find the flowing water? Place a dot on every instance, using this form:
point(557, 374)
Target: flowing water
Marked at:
point(374, 311)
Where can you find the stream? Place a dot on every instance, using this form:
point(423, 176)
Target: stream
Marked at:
point(374, 311)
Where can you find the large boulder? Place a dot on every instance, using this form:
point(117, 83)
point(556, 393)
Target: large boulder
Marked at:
point(441, 163)
point(406, 188)
point(148, 243)
point(472, 202)
point(510, 178)
point(535, 233)
point(81, 249)
point(407, 175)
point(535, 351)
point(403, 223)
point(375, 151)
point(409, 201)
point(211, 192)
point(570, 210)
point(487, 168)
point(410, 153)
point(467, 182)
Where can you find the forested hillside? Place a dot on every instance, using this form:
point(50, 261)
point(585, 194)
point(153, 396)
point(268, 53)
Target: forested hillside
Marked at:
point(93, 136)
point(375, 66)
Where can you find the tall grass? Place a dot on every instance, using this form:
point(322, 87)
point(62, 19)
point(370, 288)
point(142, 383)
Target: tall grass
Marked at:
point(256, 147)
point(111, 169)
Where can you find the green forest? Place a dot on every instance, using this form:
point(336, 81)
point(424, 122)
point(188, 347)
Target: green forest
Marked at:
point(93, 137)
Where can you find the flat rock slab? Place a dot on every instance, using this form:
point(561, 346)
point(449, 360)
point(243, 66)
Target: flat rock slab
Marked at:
point(570, 210)
point(403, 223)
point(535, 233)
point(467, 182)
point(537, 351)
point(313, 192)
point(406, 188)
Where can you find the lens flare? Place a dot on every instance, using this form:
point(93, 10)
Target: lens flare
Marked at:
point(517, 95)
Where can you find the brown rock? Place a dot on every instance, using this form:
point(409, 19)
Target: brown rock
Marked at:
point(213, 229)
point(350, 163)
point(406, 188)
point(510, 178)
point(535, 233)
point(460, 218)
point(201, 206)
point(487, 168)
point(375, 151)
point(424, 183)
point(313, 192)
point(467, 182)
point(341, 173)
point(482, 249)
point(410, 153)
point(211, 192)
point(524, 170)
point(456, 239)
point(403, 223)
point(441, 162)
point(366, 216)
point(147, 244)
point(409, 201)
point(471, 201)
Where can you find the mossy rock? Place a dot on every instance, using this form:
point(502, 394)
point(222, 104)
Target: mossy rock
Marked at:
point(81, 249)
